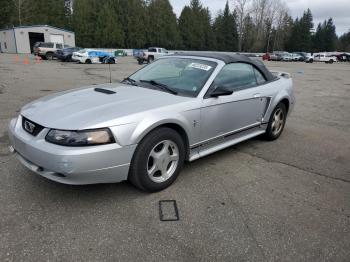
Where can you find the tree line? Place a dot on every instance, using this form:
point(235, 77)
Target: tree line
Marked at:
point(242, 25)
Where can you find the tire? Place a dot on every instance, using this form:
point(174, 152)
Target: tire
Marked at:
point(273, 132)
point(150, 59)
point(88, 61)
point(49, 56)
point(331, 61)
point(151, 157)
point(311, 61)
point(111, 61)
point(140, 61)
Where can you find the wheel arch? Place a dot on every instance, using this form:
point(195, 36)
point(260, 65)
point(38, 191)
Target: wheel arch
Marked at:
point(282, 98)
point(172, 125)
point(141, 131)
point(286, 103)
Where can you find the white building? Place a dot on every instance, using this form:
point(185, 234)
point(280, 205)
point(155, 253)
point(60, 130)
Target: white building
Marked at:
point(22, 39)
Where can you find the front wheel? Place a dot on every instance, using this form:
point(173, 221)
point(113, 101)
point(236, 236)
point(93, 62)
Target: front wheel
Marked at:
point(276, 123)
point(158, 160)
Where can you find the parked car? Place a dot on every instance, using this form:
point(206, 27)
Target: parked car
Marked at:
point(46, 50)
point(297, 57)
point(266, 57)
point(181, 107)
point(287, 57)
point(276, 57)
point(66, 54)
point(324, 57)
point(344, 57)
point(307, 57)
point(152, 54)
point(89, 56)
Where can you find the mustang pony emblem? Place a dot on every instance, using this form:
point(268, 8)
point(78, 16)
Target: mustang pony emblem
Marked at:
point(29, 126)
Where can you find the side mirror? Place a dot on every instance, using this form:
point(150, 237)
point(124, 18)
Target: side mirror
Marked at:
point(221, 91)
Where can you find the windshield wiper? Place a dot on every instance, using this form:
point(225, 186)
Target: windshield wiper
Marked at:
point(130, 80)
point(163, 86)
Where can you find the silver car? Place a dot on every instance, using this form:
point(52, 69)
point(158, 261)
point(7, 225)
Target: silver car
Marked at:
point(179, 108)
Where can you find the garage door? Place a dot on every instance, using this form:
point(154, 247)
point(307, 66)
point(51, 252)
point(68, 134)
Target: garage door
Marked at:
point(56, 39)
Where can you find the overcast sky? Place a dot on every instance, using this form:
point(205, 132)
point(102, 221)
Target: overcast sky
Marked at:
point(339, 10)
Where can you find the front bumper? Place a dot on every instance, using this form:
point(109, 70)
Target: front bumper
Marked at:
point(70, 165)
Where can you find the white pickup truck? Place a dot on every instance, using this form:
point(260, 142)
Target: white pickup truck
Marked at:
point(324, 57)
point(152, 54)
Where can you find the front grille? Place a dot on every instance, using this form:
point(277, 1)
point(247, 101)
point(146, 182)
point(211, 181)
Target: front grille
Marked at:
point(31, 127)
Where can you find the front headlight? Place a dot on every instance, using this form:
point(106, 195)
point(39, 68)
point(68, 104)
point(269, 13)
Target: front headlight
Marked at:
point(80, 138)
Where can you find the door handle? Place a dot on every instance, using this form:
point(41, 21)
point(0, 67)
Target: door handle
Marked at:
point(257, 95)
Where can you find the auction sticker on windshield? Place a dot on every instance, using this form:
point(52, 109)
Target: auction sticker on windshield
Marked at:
point(200, 66)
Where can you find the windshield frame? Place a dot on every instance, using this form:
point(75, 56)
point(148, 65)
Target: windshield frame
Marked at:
point(202, 89)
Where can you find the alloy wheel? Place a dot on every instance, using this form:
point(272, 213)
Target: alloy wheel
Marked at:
point(163, 161)
point(278, 122)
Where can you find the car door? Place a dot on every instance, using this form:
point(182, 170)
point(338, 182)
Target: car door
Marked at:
point(242, 110)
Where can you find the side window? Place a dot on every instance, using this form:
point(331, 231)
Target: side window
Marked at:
point(59, 46)
point(236, 76)
point(259, 77)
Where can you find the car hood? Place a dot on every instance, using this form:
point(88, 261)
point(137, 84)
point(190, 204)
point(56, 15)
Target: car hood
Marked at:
point(86, 108)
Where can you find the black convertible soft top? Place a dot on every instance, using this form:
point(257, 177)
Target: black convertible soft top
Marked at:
point(233, 58)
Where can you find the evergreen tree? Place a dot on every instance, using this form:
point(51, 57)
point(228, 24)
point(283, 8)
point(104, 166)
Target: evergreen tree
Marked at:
point(6, 13)
point(226, 31)
point(133, 18)
point(330, 36)
point(195, 27)
point(344, 42)
point(42, 12)
point(301, 34)
point(306, 25)
point(162, 27)
point(325, 37)
point(84, 22)
point(318, 44)
point(185, 28)
point(209, 35)
point(109, 32)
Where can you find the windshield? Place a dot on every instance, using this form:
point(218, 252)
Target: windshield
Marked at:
point(184, 75)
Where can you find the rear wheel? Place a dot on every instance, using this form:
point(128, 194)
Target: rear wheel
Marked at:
point(87, 61)
point(158, 160)
point(49, 56)
point(276, 123)
point(150, 59)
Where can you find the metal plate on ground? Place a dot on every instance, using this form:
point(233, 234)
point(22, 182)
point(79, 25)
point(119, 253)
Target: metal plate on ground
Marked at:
point(168, 210)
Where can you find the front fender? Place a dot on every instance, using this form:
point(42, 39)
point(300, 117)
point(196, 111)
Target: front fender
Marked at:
point(133, 133)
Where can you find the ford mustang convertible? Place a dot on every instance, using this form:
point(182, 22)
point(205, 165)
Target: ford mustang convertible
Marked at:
point(180, 108)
